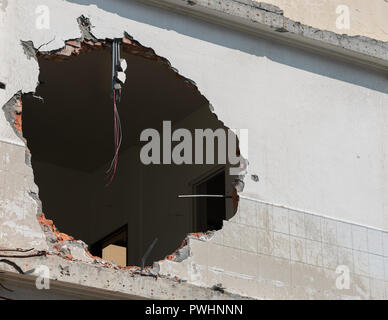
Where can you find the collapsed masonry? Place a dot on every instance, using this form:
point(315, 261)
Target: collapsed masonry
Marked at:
point(50, 128)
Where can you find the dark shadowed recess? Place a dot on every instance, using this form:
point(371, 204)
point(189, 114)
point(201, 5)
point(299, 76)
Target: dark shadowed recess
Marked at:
point(70, 135)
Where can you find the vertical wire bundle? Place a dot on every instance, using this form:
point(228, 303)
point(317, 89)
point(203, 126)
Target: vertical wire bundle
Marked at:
point(117, 137)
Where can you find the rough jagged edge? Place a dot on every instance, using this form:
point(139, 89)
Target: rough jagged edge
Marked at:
point(74, 47)
point(58, 242)
point(262, 6)
point(13, 114)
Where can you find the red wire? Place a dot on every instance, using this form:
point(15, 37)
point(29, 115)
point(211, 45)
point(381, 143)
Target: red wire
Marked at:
point(112, 171)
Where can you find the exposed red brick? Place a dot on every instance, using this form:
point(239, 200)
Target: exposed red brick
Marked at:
point(18, 115)
point(60, 236)
point(74, 43)
point(18, 121)
point(173, 255)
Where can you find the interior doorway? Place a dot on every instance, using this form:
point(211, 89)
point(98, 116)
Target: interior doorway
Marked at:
point(210, 202)
point(113, 247)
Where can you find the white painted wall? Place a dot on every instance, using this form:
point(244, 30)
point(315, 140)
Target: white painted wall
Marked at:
point(316, 125)
point(366, 18)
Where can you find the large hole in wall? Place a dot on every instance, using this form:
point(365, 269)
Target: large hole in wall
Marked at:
point(70, 136)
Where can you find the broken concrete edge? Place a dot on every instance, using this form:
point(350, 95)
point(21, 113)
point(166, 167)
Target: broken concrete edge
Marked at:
point(87, 42)
point(75, 47)
point(13, 114)
point(268, 21)
point(62, 261)
point(183, 252)
point(84, 277)
point(61, 244)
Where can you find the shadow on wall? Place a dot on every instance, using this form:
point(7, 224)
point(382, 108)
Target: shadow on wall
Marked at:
point(274, 51)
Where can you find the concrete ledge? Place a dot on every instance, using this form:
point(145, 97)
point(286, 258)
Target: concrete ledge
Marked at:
point(268, 21)
point(77, 279)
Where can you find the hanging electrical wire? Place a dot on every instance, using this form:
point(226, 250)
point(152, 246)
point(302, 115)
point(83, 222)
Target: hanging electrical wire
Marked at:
point(111, 172)
point(118, 77)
